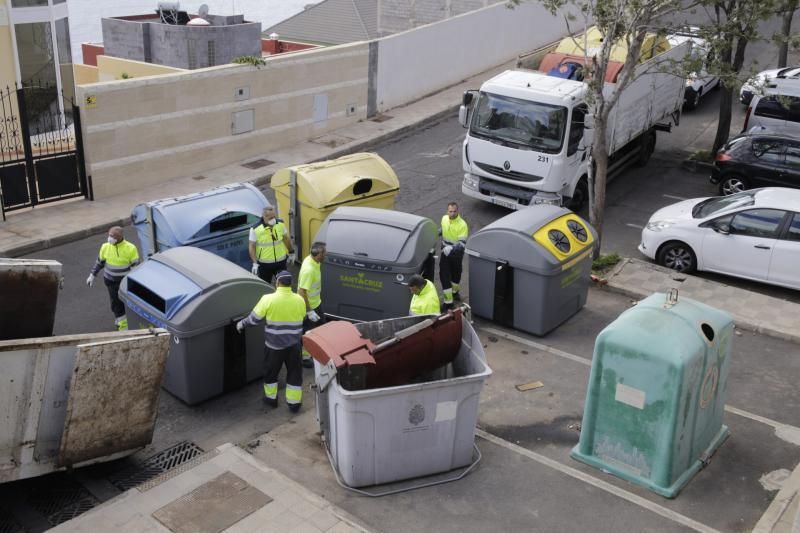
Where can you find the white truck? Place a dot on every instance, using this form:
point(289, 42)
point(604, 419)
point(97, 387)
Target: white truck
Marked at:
point(527, 141)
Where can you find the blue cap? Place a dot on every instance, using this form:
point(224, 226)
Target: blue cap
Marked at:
point(284, 277)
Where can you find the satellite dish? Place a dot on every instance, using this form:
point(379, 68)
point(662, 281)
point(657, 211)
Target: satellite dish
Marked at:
point(203, 10)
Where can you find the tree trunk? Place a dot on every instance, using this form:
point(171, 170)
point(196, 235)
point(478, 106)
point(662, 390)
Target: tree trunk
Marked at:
point(724, 124)
point(786, 31)
point(600, 157)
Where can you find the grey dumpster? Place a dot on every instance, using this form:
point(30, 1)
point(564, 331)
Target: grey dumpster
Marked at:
point(371, 253)
point(530, 270)
point(217, 220)
point(196, 296)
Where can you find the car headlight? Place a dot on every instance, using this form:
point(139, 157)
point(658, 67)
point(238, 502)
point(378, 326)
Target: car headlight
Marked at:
point(659, 225)
point(470, 181)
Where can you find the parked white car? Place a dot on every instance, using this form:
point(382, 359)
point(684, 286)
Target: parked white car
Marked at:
point(698, 83)
point(760, 81)
point(753, 234)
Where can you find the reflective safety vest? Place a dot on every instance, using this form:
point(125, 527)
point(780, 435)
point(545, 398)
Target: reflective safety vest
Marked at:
point(454, 230)
point(310, 279)
point(283, 311)
point(116, 260)
point(270, 247)
point(426, 302)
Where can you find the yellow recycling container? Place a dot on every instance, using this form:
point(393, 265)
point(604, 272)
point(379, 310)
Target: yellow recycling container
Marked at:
point(307, 194)
point(653, 45)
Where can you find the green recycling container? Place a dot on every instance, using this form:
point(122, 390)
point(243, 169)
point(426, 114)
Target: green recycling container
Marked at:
point(656, 394)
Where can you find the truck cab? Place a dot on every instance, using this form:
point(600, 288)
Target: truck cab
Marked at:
point(526, 141)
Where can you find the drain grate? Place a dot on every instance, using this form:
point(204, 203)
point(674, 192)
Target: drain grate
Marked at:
point(258, 163)
point(61, 499)
point(156, 465)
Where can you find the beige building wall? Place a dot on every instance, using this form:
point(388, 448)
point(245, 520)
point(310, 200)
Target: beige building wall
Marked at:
point(140, 132)
point(86, 74)
point(8, 74)
point(116, 68)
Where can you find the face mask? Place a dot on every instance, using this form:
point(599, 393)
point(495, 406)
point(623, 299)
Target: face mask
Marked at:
point(271, 222)
point(112, 240)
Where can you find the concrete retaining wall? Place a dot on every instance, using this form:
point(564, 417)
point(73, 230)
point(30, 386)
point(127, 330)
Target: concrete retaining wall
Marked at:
point(142, 132)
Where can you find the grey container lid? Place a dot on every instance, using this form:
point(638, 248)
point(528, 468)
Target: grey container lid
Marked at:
point(510, 239)
point(189, 290)
point(372, 234)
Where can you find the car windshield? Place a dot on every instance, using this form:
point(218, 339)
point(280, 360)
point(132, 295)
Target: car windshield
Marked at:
point(519, 122)
point(710, 206)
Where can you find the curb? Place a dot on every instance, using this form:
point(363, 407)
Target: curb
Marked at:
point(698, 167)
point(740, 324)
point(355, 146)
point(777, 510)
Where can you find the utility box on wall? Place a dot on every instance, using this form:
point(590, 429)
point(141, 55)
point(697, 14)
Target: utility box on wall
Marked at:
point(656, 395)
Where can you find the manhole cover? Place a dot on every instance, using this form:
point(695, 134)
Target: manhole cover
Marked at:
point(155, 465)
point(213, 506)
point(380, 117)
point(258, 163)
point(61, 499)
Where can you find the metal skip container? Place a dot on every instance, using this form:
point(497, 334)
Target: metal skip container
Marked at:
point(74, 400)
point(217, 220)
point(307, 194)
point(530, 270)
point(33, 285)
point(391, 433)
point(370, 254)
point(656, 395)
point(196, 296)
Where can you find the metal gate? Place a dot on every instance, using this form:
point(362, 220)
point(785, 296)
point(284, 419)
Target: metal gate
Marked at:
point(41, 151)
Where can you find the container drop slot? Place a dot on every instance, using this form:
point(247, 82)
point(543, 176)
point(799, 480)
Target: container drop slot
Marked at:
point(227, 223)
point(146, 295)
point(362, 186)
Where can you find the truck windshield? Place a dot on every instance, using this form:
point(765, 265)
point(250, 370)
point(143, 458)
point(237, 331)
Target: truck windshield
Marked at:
point(510, 120)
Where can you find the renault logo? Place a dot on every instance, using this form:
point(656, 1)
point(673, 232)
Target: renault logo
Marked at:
point(506, 165)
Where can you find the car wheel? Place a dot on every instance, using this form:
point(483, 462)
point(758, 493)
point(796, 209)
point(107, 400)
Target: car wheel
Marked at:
point(579, 196)
point(732, 184)
point(677, 256)
point(694, 100)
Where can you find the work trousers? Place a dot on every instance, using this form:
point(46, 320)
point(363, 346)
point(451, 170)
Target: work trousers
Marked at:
point(117, 307)
point(267, 271)
point(450, 270)
point(273, 361)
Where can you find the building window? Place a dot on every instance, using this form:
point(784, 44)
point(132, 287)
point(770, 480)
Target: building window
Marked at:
point(212, 53)
point(28, 3)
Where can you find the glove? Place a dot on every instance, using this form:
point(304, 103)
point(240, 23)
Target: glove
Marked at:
point(313, 316)
point(90, 280)
point(447, 249)
point(254, 270)
point(291, 258)
point(239, 327)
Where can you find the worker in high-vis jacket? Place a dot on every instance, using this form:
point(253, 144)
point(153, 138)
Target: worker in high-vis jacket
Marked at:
point(454, 242)
point(309, 286)
point(424, 299)
point(282, 313)
point(269, 246)
point(116, 258)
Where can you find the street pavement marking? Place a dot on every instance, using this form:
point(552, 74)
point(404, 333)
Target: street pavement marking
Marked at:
point(598, 483)
point(785, 432)
point(636, 226)
point(674, 197)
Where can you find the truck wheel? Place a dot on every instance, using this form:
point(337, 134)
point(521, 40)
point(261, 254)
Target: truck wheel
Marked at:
point(579, 196)
point(647, 149)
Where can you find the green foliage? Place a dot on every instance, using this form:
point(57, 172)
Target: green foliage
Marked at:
point(125, 76)
point(253, 61)
point(605, 262)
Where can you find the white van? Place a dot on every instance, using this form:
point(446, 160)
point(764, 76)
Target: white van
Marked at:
point(778, 110)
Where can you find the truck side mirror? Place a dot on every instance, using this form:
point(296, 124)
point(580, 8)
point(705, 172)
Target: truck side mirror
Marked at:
point(463, 113)
point(466, 99)
point(588, 121)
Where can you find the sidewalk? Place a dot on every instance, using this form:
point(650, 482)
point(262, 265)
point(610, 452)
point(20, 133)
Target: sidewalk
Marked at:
point(36, 229)
point(750, 310)
point(224, 490)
